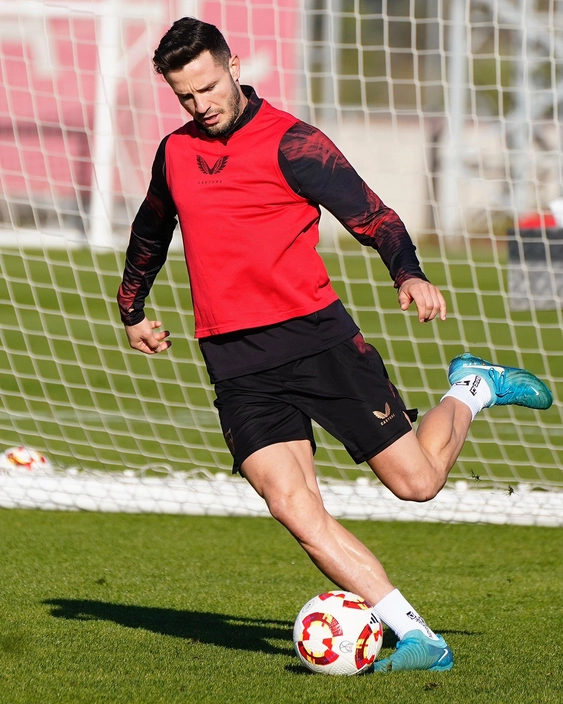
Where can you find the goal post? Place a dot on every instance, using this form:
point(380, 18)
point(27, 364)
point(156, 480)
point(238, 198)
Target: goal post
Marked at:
point(449, 109)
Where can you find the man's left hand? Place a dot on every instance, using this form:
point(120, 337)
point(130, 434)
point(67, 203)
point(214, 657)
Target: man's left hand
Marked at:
point(429, 301)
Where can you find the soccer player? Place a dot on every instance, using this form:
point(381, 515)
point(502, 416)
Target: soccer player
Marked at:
point(245, 181)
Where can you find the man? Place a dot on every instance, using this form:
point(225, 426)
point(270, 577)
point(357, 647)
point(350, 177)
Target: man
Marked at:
point(245, 181)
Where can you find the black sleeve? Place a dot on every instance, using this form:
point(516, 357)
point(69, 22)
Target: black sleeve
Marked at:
point(151, 234)
point(316, 169)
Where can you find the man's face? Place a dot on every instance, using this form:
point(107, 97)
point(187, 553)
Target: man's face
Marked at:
point(209, 92)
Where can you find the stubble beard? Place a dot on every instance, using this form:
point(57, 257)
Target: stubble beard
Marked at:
point(233, 109)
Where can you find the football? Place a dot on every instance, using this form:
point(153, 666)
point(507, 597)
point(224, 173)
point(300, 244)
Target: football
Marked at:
point(23, 458)
point(337, 633)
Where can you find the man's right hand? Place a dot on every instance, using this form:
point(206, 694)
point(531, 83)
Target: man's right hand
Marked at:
point(143, 338)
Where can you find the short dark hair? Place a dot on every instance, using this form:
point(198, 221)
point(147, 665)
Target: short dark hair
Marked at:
point(185, 41)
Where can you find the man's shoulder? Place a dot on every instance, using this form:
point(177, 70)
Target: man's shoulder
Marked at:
point(188, 128)
point(180, 138)
point(307, 139)
point(267, 109)
point(295, 131)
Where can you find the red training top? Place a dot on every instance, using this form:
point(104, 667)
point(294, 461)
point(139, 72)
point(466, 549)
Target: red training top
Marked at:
point(249, 239)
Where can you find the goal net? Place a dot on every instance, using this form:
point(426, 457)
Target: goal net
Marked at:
point(450, 110)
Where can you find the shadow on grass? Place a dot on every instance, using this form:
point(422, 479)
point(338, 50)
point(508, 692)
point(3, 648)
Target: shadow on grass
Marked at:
point(227, 631)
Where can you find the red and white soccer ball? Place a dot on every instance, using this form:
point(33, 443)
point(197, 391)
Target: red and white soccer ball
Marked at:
point(337, 633)
point(23, 458)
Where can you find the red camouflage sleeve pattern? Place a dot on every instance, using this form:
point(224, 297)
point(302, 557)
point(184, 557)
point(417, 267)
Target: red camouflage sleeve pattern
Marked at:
point(316, 169)
point(151, 234)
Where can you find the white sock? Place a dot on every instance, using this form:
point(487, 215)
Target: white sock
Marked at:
point(471, 390)
point(396, 612)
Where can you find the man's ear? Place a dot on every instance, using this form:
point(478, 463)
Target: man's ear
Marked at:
point(234, 67)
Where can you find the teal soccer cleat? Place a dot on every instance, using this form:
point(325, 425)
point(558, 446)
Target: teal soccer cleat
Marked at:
point(508, 385)
point(417, 651)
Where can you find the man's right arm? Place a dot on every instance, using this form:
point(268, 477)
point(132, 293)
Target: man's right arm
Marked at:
point(151, 234)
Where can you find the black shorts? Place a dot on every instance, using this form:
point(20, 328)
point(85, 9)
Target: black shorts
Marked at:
point(345, 389)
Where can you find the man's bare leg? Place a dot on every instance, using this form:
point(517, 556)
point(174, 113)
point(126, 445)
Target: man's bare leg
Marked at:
point(284, 475)
point(416, 466)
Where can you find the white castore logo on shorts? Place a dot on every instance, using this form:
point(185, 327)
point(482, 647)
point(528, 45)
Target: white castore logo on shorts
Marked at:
point(386, 416)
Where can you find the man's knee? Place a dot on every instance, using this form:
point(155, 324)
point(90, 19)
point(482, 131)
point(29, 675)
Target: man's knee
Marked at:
point(409, 482)
point(284, 506)
point(300, 512)
point(407, 471)
point(416, 489)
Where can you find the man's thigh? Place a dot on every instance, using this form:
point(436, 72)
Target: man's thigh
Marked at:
point(404, 468)
point(347, 391)
point(283, 470)
point(254, 414)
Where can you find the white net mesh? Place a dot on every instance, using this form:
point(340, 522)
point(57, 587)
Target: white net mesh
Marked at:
point(449, 110)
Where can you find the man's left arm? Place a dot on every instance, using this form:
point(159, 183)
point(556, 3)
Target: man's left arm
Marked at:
point(316, 169)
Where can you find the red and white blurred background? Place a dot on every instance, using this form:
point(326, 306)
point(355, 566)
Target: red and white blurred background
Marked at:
point(81, 110)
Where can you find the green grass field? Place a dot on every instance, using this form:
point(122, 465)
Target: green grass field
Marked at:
point(126, 609)
point(123, 609)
